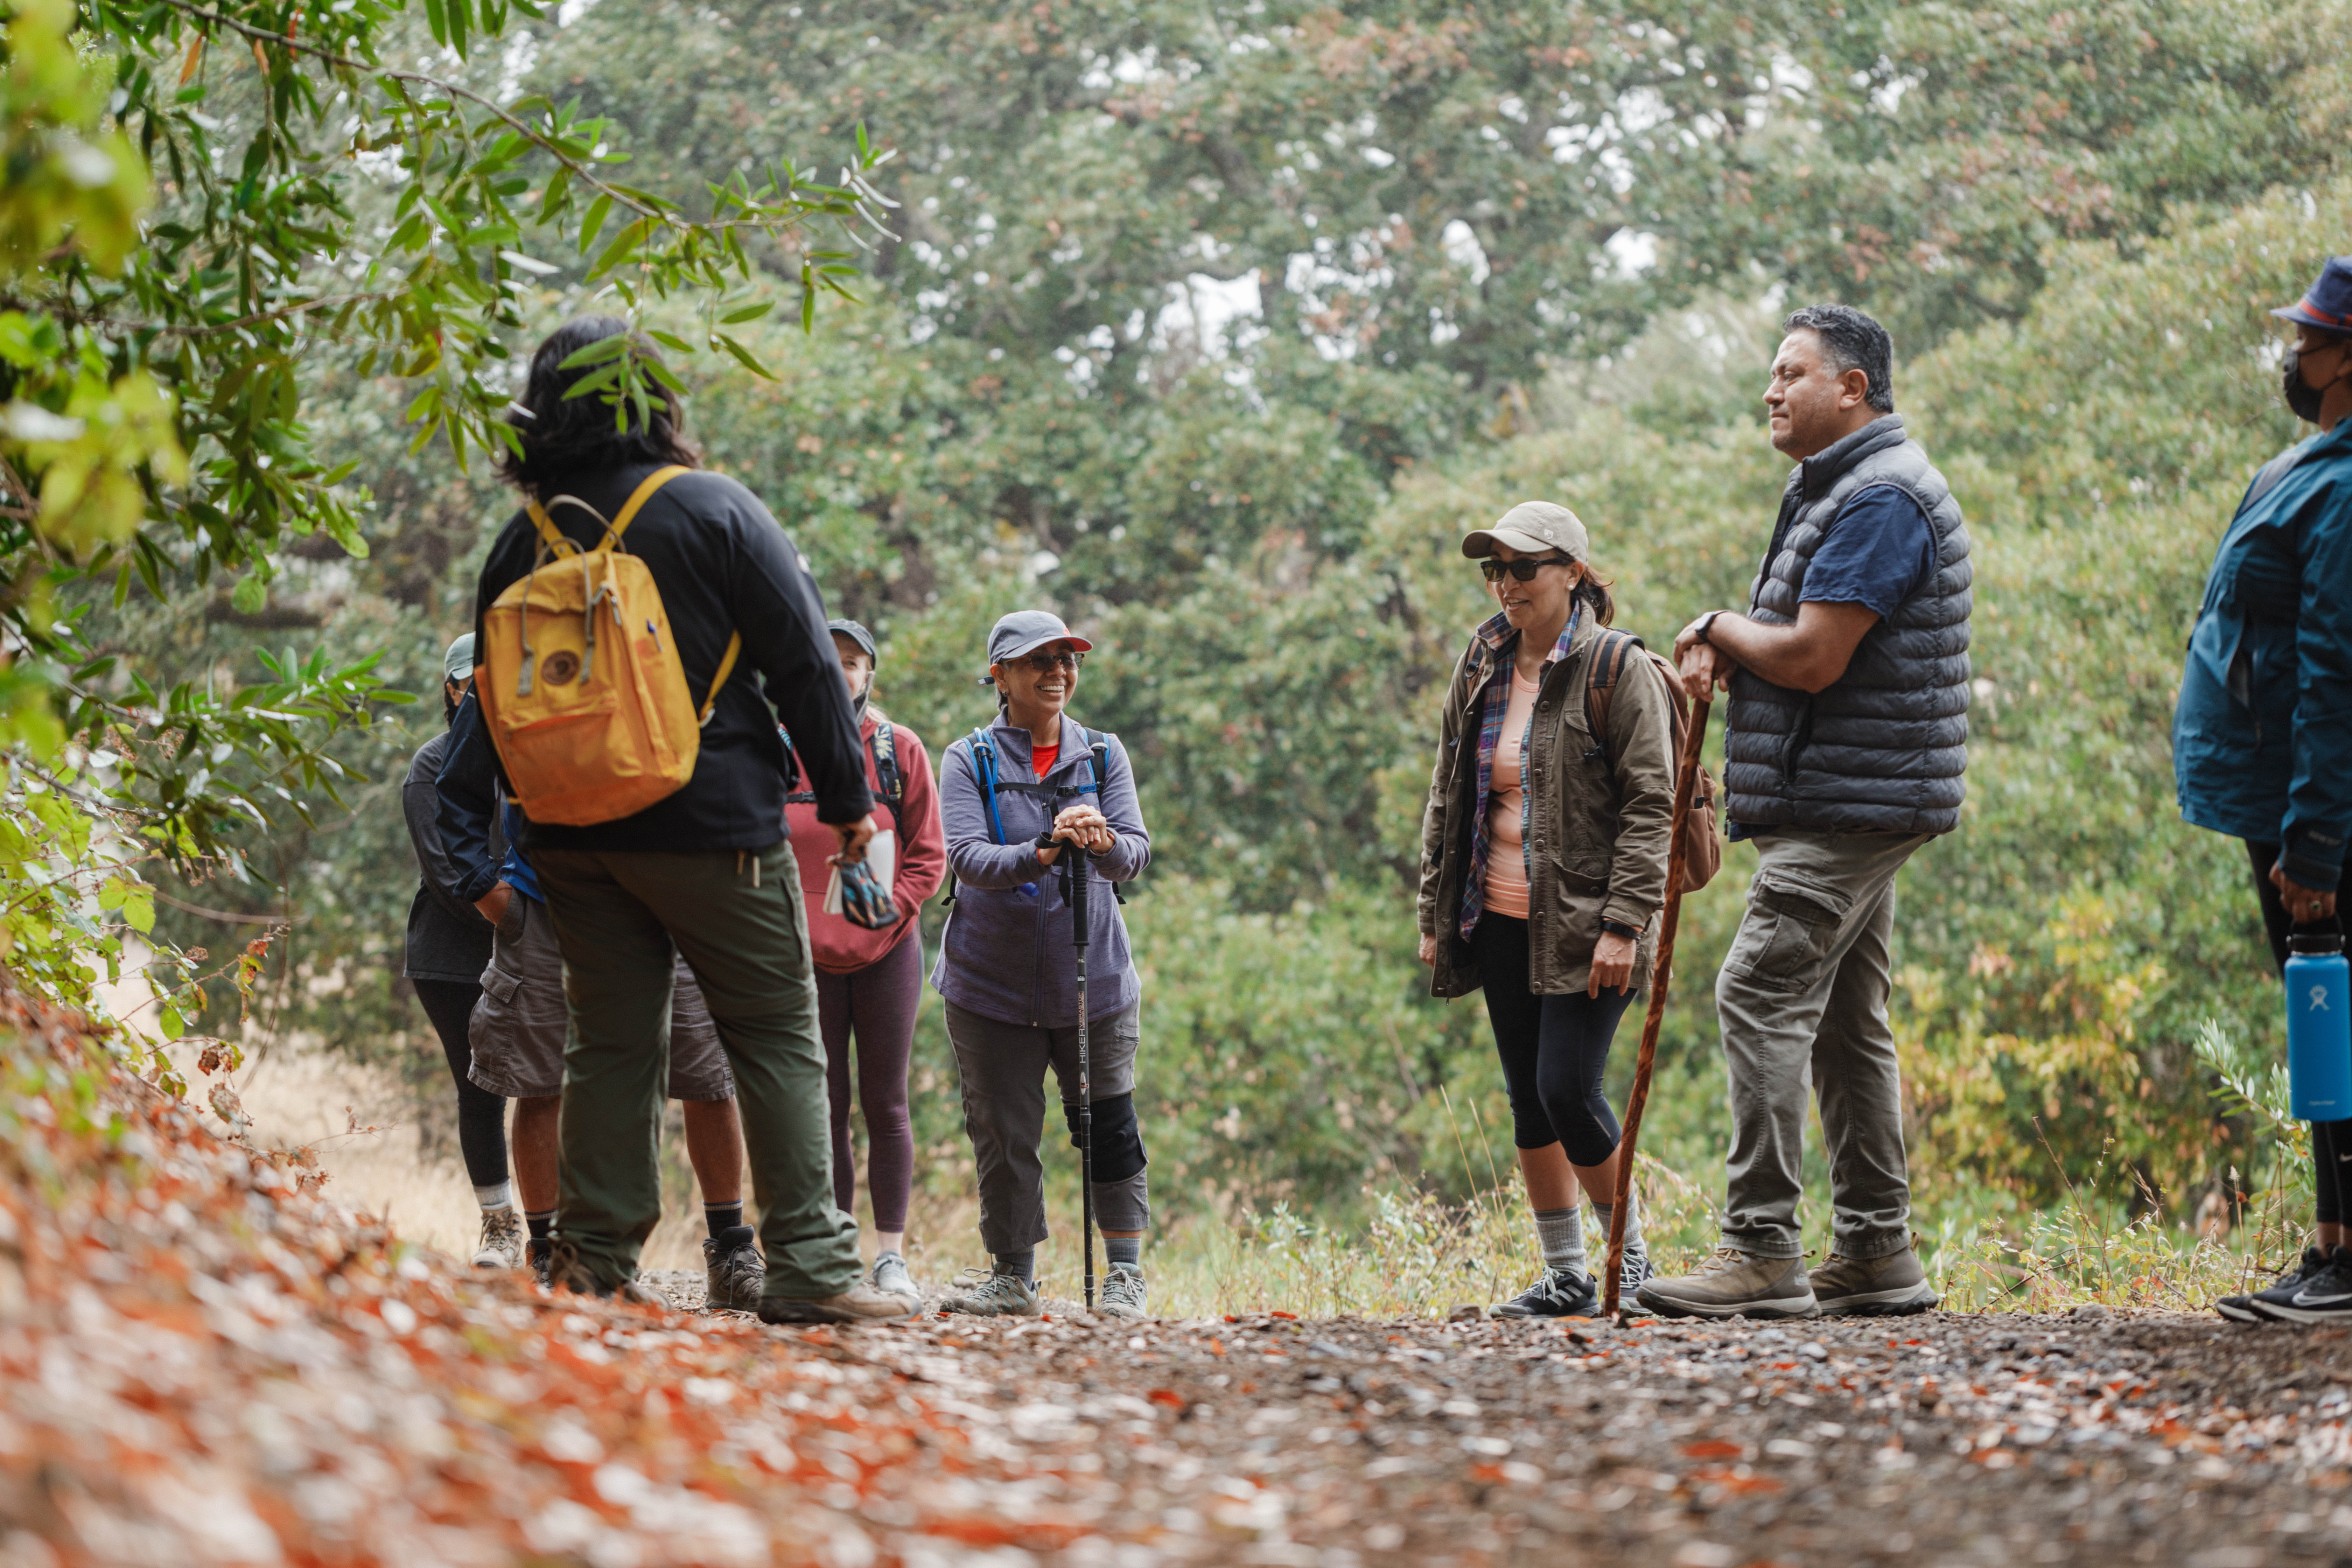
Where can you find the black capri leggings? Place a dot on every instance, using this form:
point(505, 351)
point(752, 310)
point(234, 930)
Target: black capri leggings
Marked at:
point(481, 1115)
point(1554, 1048)
point(2331, 1142)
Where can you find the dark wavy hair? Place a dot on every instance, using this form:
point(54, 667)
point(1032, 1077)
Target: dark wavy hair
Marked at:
point(1593, 592)
point(1853, 340)
point(563, 438)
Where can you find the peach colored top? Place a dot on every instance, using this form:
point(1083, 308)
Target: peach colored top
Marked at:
point(1506, 799)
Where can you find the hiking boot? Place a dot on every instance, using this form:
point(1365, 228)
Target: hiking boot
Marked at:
point(1873, 1287)
point(567, 1271)
point(890, 1275)
point(2241, 1308)
point(861, 1303)
point(1732, 1283)
point(1556, 1294)
point(541, 1252)
point(984, 1293)
point(733, 1271)
point(502, 1240)
point(1122, 1293)
point(2324, 1296)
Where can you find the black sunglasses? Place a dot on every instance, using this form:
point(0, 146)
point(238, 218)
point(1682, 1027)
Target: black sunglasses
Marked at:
point(1523, 569)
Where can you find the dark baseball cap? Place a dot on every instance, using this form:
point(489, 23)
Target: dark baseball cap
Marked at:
point(844, 627)
point(2327, 304)
point(1026, 631)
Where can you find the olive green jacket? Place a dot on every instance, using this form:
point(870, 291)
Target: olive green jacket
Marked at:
point(1599, 817)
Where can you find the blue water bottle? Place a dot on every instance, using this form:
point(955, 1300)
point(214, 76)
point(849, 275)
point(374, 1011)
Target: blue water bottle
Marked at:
point(2319, 1028)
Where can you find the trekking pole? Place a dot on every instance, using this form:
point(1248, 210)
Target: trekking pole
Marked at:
point(1078, 873)
point(1686, 785)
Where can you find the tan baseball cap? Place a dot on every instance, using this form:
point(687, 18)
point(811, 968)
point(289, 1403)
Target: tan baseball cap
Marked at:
point(1531, 528)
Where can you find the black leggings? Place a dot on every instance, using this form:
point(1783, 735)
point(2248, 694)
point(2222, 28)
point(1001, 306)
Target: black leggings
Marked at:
point(481, 1115)
point(1554, 1048)
point(2331, 1142)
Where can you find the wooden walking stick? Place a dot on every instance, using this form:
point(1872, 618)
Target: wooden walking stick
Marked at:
point(1685, 786)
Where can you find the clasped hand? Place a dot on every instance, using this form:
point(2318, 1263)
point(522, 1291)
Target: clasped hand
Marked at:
point(1702, 664)
point(1082, 825)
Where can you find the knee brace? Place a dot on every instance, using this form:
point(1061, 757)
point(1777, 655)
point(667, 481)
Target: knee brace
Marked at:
point(1118, 1139)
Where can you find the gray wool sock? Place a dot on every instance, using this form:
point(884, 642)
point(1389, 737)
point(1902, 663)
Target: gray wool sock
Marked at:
point(1561, 1233)
point(1633, 1230)
point(1123, 1249)
point(1021, 1264)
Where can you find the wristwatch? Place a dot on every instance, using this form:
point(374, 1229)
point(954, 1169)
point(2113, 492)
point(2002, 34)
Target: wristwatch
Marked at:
point(1620, 928)
point(1707, 627)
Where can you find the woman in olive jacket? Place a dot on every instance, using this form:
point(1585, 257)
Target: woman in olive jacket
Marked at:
point(1543, 865)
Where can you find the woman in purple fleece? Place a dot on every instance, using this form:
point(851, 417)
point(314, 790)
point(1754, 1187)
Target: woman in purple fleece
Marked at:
point(1016, 797)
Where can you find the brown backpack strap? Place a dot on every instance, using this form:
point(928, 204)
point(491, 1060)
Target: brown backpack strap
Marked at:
point(1610, 650)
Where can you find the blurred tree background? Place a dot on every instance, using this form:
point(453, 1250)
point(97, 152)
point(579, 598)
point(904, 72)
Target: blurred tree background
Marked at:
point(1211, 326)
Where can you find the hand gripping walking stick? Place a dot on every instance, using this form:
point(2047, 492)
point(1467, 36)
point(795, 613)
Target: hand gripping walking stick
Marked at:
point(1686, 784)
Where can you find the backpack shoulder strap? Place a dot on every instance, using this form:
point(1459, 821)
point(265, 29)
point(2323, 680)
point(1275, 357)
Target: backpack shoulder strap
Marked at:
point(638, 497)
point(885, 750)
point(983, 753)
point(1611, 648)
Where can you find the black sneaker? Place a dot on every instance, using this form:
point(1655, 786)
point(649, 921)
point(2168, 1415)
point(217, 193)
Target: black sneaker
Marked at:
point(1555, 1295)
point(2241, 1308)
point(734, 1273)
point(2323, 1296)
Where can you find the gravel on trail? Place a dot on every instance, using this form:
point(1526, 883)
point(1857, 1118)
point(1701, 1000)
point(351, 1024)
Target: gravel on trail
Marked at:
point(2094, 1437)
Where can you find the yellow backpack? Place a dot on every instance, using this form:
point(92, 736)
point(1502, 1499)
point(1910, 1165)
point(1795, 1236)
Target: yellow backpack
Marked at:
point(580, 682)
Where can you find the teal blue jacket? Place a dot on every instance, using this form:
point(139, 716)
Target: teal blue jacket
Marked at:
point(2262, 738)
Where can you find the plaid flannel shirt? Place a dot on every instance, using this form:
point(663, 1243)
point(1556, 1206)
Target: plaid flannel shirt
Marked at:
point(1500, 640)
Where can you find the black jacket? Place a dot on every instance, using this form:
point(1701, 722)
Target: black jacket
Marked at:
point(447, 938)
point(723, 566)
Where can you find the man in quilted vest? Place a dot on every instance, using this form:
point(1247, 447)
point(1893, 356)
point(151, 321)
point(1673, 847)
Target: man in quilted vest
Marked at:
point(1848, 734)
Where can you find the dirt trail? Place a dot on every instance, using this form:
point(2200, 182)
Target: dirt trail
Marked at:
point(2088, 1439)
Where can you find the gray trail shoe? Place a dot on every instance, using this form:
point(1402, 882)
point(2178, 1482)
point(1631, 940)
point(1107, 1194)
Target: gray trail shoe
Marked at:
point(733, 1271)
point(1873, 1287)
point(502, 1240)
point(890, 1275)
point(1732, 1283)
point(1555, 1294)
point(861, 1303)
point(984, 1293)
point(1122, 1293)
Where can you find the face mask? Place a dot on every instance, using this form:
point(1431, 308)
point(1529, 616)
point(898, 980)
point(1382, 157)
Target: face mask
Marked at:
point(2303, 399)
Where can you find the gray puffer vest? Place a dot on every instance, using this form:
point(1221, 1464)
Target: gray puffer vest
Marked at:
point(1883, 748)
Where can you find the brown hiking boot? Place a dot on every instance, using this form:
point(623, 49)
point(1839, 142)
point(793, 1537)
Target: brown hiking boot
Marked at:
point(1873, 1287)
point(861, 1303)
point(1732, 1283)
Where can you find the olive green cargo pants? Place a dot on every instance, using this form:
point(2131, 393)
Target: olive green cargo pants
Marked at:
point(739, 919)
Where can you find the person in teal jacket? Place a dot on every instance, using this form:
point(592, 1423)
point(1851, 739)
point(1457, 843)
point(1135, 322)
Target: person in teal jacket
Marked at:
point(2262, 738)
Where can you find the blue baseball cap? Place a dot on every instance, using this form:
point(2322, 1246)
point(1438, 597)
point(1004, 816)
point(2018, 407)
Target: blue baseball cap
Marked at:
point(2327, 304)
point(1026, 631)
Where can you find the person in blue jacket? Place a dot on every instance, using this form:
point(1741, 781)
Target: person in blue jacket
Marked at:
point(2262, 739)
point(1016, 798)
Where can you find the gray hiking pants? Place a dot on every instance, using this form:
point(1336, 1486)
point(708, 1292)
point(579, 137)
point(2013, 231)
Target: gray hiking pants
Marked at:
point(1003, 1069)
point(1803, 998)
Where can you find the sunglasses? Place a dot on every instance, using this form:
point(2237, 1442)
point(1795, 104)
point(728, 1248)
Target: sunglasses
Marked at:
point(1521, 570)
point(1057, 659)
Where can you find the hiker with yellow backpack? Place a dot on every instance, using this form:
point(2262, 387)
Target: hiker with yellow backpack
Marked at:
point(643, 626)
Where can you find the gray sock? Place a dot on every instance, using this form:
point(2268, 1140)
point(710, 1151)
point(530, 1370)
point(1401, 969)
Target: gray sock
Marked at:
point(1633, 1230)
point(1022, 1264)
point(1561, 1233)
point(1124, 1249)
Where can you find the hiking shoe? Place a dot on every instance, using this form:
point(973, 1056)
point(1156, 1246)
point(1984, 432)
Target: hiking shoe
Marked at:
point(567, 1271)
point(861, 1303)
point(502, 1240)
point(890, 1274)
point(1873, 1287)
point(2241, 1308)
point(2324, 1296)
point(1556, 1294)
point(541, 1252)
point(984, 1293)
point(1732, 1283)
point(1122, 1293)
point(734, 1273)
point(1636, 1271)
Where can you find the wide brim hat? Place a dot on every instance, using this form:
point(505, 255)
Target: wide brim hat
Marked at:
point(1532, 528)
point(2327, 304)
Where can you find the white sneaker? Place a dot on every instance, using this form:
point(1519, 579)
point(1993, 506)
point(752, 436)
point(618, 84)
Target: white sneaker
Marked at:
point(890, 1275)
point(502, 1240)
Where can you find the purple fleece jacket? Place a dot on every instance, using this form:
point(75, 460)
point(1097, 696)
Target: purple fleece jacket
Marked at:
point(1008, 953)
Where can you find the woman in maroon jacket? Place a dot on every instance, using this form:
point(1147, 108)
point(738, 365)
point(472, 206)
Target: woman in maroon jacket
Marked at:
point(870, 983)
